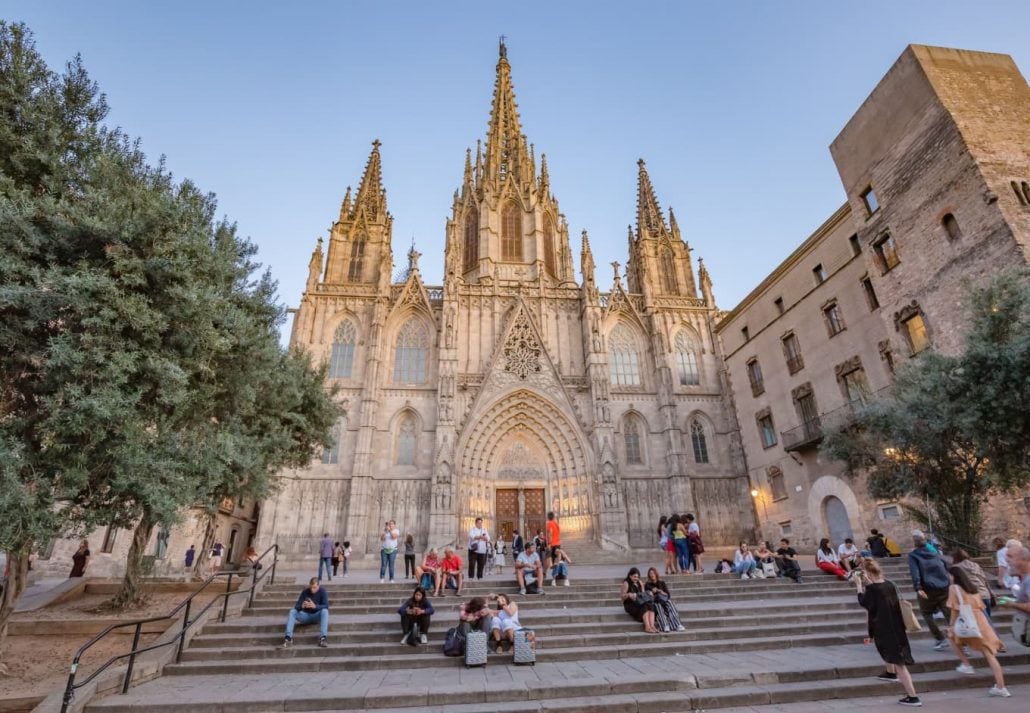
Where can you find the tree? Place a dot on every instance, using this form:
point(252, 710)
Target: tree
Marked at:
point(956, 429)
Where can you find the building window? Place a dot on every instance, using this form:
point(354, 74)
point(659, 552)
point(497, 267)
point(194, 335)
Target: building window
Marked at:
point(806, 408)
point(409, 362)
point(623, 358)
point(834, 320)
point(886, 252)
point(856, 248)
point(745, 333)
point(341, 358)
point(161, 543)
point(766, 430)
point(471, 252)
point(549, 245)
point(357, 260)
point(852, 380)
point(915, 330)
point(887, 354)
point(1018, 192)
point(686, 360)
point(107, 546)
point(697, 438)
point(631, 438)
point(819, 274)
point(890, 512)
point(792, 352)
point(754, 375)
point(406, 439)
point(869, 200)
point(786, 529)
point(951, 227)
point(331, 455)
point(870, 294)
point(668, 268)
point(776, 485)
point(778, 303)
point(511, 233)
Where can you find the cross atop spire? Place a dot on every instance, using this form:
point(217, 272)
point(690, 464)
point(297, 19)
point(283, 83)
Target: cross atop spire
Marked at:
point(502, 49)
point(649, 213)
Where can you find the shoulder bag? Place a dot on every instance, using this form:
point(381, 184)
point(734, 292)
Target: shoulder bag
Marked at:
point(908, 614)
point(965, 626)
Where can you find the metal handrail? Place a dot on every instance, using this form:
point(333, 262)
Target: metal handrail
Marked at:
point(72, 686)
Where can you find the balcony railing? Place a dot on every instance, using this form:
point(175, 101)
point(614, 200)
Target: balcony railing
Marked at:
point(799, 438)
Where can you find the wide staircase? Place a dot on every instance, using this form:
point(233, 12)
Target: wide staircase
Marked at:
point(746, 643)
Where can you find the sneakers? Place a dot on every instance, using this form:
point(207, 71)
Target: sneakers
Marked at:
point(744, 576)
point(966, 669)
point(287, 643)
point(391, 581)
point(522, 591)
point(382, 581)
point(887, 676)
point(554, 582)
point(999, 692)
point(404, 639)
point(323, 643)
point(566, 581)
point(681, 628)
point(912, 701)
point(423, 639)
point(941, 645)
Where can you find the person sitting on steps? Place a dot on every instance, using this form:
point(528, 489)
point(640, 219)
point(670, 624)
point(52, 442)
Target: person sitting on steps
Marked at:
point(529, 571)
point(450, 569)
point(638, 603)
point(744, 562)
point(787, 561)
point(828, 561)
point(666, 618)
point(559, 566)
point(474, 615)
point(430, 566)
point(416, 613)
point(504, 624)
point(312, 606)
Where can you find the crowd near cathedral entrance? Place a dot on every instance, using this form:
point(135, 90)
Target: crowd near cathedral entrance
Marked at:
point(516, 387)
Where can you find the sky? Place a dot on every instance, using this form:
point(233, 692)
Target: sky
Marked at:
point(273, 107)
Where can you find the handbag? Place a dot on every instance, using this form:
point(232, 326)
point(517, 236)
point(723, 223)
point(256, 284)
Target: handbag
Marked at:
point(696, 545)
point(908, 614)
point(454, 642)
point(644, 598)
point(427, 581)
point(965, 626)
point(769, 568)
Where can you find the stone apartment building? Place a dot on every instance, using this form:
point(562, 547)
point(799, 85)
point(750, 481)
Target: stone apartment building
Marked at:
point(935, 165)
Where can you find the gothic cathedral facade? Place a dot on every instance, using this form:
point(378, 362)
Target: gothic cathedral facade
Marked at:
point(512, 389)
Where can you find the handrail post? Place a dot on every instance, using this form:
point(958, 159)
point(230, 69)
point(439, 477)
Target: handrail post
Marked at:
point(253, 586)
point(275, 561)
point(132, 658)
point(69, 690)
point(182, 634)
point(225, 600)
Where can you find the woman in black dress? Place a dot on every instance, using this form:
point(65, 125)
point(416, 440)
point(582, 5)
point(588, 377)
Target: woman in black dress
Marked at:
point(887, 627)
point(665, 615)
point(638, 603)
point(80, 559)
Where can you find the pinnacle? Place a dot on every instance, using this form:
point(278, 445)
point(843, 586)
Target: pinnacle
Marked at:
point(649, 212)
point(371, 193)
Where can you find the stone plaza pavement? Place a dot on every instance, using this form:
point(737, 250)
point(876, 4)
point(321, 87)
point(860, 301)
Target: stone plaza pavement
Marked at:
point(760, 645)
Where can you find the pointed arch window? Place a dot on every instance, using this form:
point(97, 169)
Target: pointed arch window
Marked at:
point(331, 455)
point(407, 439)
point(631, 439)
point(357, 260)
point(411, 352)
point(511, 233)
point(623, 357)
point(686, 360)
point(699, 441)
point(549, 246)
point(668, 269)
point(341, 358)
point(471, 251)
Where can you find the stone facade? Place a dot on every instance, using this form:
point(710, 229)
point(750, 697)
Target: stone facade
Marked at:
point(512, 389)
point(933, 163)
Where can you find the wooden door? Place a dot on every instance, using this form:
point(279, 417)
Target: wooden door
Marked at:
point(507, 512)
point(536, 512)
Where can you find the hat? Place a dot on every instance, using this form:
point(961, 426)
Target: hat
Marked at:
point(918, 535)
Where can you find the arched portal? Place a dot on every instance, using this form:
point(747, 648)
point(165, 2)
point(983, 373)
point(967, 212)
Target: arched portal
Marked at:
point(520, 457)
point(838, 525)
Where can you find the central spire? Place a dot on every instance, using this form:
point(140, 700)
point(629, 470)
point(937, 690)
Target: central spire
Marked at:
point(650, 220)
point(506, 150)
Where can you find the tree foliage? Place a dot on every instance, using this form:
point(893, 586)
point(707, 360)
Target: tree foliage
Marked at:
point(140, 370)
point(956, 428)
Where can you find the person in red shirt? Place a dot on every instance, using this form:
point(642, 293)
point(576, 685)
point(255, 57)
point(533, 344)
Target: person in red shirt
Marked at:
point(451, 567)
point(553, 542)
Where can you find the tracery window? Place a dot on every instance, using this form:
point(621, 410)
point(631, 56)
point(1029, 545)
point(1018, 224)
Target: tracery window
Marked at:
point(686, 360)
point(511, 233)
point(341, 358)
point(471, 252)
point(623, 358)
point(631, 438)
point(331, 455)
point(357, 260)
point(549, 245)
point(700, 443)
point(411, 352)
point(668, 270)
point(407, 438)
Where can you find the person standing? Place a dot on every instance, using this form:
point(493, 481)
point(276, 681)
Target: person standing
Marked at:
point(517, 544)
point(499, 556)
point(388, 550)
point(337, 552)
point(696, 545)
point(191, 554)
point(553, 541)
point(80, 559)
point(325, 557)
point(930, 580)
point(962, 592)
point(216, 556)
point(409, 555)
point(887, 627)
point(479, 543)
point(345, 556)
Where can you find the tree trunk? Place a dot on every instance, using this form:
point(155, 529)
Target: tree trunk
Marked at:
point(200, 562)
point(18, 561)
point(131, 594)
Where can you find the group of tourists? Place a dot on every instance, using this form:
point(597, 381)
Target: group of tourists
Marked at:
point(680, 539)
point(333, 555)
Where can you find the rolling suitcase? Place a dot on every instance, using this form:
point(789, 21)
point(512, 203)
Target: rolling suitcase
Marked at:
point(524, 651)
point(475, 648)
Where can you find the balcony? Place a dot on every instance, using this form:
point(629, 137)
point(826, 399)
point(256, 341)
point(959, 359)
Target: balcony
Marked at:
point(800, 438)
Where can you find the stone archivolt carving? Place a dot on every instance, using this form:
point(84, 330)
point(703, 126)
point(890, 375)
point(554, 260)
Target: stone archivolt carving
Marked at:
point(852, 364)
point(522, 349)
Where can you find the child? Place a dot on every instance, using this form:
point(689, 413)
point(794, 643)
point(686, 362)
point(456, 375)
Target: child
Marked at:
point(409, 556)
point(346, 556)
point(499, 556)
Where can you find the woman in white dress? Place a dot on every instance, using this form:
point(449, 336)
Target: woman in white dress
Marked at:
point(499, 555)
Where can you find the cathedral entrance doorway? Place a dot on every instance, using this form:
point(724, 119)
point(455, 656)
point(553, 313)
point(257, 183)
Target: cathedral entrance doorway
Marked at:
point(521, 509)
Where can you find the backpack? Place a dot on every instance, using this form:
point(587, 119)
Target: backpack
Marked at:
point(893, 549)
point(427, 581)
point(454, 642)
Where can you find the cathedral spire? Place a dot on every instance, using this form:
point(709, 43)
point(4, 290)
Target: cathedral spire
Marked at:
point(345, 206)
point(506, 149)
point(371, 194)
point(649, 213)
point(545, 178)
point(467, 184)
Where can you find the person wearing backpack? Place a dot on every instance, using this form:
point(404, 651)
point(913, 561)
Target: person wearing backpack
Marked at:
point(416, 615)
point(930, 580)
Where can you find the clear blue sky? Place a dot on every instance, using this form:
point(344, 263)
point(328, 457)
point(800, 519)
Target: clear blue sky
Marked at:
point(273, 107)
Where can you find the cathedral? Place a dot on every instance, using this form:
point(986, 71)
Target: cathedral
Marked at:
point(513, 389)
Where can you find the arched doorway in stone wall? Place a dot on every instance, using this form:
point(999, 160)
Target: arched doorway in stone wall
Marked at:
point(838, 524)
point(519, 459)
